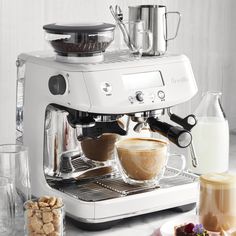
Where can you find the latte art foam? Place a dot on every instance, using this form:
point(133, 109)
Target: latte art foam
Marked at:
point(137, 144)
point(219, 179)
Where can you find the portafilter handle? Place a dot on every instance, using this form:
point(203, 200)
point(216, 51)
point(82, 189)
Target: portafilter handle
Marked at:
point(98, 129)
point(177, 135)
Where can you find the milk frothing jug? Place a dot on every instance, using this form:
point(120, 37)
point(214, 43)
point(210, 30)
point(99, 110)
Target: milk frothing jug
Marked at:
point(155, 21)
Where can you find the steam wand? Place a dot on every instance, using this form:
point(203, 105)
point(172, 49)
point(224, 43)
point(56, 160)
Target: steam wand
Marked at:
point(176, 134)
point(188, 123)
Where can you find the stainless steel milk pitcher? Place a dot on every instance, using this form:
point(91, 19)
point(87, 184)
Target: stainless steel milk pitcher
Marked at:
point(155, 20)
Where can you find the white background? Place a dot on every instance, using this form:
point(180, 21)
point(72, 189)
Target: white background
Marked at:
point(207, 37)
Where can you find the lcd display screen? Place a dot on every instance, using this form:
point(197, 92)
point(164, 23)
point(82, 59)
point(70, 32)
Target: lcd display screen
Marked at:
point(143, 80)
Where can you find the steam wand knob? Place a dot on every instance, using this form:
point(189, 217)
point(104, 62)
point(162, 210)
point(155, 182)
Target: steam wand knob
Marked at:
point(187, 123)
point(179, 136)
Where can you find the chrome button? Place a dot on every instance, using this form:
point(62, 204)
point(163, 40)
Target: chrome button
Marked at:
point(161, 94)
point(139, 96)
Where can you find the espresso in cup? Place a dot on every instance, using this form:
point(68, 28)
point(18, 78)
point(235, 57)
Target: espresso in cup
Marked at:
point(217, 202)
point(100, 149)
point(143, 161)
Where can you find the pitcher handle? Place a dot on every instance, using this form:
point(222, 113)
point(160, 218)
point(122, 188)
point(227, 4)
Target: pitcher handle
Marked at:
point(179, 171)
point(177, 28)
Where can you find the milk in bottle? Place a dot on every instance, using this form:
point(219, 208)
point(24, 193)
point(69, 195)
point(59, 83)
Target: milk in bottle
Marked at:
point(210, 136)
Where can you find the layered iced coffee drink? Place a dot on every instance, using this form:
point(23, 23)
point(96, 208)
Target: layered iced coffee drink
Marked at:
point(217, 203)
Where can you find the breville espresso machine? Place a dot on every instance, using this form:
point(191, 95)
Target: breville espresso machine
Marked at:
point(60, 103)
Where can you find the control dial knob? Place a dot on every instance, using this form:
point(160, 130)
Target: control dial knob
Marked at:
point(139, 96)
point(57, 84)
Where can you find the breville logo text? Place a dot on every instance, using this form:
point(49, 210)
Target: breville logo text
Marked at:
point(179, 80)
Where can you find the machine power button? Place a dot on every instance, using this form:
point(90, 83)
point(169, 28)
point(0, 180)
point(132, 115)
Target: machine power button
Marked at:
point(139, 96)
point(57, 84)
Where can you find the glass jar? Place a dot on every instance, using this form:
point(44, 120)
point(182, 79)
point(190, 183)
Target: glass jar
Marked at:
point(210, 136)
point(43, 218)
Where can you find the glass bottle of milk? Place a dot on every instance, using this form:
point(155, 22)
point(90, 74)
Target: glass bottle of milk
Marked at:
point(211, 136)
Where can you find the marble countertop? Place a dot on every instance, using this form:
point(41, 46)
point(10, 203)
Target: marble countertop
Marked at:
point(144, 225)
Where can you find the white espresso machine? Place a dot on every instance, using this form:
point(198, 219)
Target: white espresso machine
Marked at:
point(61, 102)
point(97, 93)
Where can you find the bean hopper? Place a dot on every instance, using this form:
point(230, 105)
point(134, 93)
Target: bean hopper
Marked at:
point(82, 92)
point(76, 43)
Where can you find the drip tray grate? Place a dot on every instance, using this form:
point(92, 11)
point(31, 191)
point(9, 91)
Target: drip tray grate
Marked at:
point(113, 186)
point(116, 184)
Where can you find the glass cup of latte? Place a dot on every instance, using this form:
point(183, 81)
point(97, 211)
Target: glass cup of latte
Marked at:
point(143, 161)
point(217, 203)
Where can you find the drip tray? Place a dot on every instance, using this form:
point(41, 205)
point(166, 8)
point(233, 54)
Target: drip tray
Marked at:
point(110, 187)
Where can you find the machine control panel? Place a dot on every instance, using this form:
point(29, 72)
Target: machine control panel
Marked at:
point(141, 97)
point(131, 87)
point(149, 81)
point(57, 84)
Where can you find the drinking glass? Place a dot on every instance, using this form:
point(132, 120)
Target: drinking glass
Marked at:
point(100, 151)
point(139, 37)
point(138, 40)
point(14, 165)
point(6, 207)
point(217, 206)
point(143, 161)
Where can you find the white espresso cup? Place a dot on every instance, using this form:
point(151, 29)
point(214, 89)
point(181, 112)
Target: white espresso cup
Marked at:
point(142, 161)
